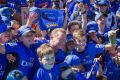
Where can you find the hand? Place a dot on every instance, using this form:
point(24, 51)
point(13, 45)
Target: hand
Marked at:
point(10, 58)
point(112, 36)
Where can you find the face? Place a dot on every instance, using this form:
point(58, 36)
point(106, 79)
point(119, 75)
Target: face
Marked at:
point(28, 38)
point(31, 3)
point(6, 36)
point(70, 45)
point(103, 8)
point(73, 28)
point(48, 61)
point(92, 34)
point(80, 44)
point(101, 20)
point(59, 40)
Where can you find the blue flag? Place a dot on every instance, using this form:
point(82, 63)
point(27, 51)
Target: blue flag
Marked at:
point(50, 18)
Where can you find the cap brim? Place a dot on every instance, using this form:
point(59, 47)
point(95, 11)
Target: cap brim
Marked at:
point(91, 31)
point(27, 32)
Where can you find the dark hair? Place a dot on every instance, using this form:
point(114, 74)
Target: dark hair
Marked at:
point(75, 22)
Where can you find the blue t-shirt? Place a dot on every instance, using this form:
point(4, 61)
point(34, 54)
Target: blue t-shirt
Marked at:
point(59, 56)
point(111, 70)
point(43, 74)
point(3, 65)
point(26, 56)
point(87, 56)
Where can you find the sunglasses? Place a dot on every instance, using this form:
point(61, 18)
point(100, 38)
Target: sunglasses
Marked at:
point(31, 1)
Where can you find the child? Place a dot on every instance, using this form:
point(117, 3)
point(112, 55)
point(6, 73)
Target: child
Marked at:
point(22, 48)
point(16, 75)
point(87, 52)
point(48, 71)
point(73, 65)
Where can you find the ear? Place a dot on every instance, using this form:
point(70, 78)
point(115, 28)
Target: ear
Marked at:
point(40, 60)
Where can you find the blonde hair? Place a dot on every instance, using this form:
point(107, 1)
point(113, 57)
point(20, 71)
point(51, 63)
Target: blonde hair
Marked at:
point(44, 49)
point(78, 33)
point(55, 32)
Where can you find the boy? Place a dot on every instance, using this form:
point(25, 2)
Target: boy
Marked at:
point(22, 48)
point(87, 52)
point(47, 71)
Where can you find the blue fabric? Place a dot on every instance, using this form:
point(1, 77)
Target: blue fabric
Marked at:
point(3, 65)
point(4, 28)
point(72, 60)
point(59, 56)
point(40, 3)
point(26, 57)
point(51, 19)
point(43, 74)
point(23, 30)
point(92, 26)
point(87, 56)
point(111, 70)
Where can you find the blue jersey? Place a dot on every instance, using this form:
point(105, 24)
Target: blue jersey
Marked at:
point(43, 74)
point(87, 56)
point(3, 65)
point(59, 56)
point(26, 57)
point(111, 70)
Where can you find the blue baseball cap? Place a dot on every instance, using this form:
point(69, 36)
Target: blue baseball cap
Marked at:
point(4, 28)
point(15, 75)
point(72, 60)
point(69, 38)
point(34, 9)
point(23, 30)
point(92, 26)
point(6, 11)
point(103, 2)
point(99, 15)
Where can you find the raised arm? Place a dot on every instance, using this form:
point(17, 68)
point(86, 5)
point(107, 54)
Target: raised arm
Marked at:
point(112, 40)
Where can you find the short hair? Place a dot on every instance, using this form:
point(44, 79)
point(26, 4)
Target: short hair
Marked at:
point(75, 22)
point(44, 49)
point(78, 33)
point(54, 33)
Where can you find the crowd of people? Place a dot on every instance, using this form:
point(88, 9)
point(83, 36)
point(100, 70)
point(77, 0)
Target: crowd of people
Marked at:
point(86, 47)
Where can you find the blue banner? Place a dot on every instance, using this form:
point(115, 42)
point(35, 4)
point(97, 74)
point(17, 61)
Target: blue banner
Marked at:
point(50, 18)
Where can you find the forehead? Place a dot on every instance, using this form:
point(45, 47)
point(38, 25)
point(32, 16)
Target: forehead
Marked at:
point(81, 38)
point(48, 55)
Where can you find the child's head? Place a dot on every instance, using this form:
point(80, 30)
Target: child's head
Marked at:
point(58, 38)
point(26, 35)
point(15, 25)
point(16, 75)
point(80, 40)
point(5, 33)
point(73, 25)
point(72, 60)
point(46, 56)
point(70, 43)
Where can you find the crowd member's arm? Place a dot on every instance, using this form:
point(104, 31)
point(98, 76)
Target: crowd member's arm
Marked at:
point(66, 73)
point(66, 18)
point(2, 49)
point(32, 17)
point(112, 40)
point(84, 21)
